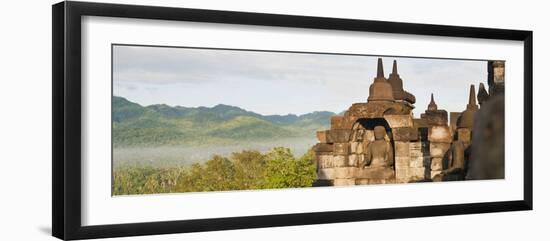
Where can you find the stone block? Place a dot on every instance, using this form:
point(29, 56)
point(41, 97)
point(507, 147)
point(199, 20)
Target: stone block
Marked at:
point(417, 149)
point(438, 149)
point(435, 117)
point(353, 146)
point(416, 174)
point(324, 136)
point(341, 148)
point(402, 174)
point(337, 172)
point(398, 121)
point(405, 134)
point(344, 182)
point(401, 149)
point(375, 173)
point(353, 159)
point(360, 160)
point(339, 161)
point(361, 181)
point(440, 134)
point(339, 136)
point(361, 147)
point(416, 161)
point(402, 161)
point(323, 148)
point(324, 161)
point(336, 122)
point(376, 181)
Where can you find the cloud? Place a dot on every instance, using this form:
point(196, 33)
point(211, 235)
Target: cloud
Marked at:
point(190, 66)
point(280, 83)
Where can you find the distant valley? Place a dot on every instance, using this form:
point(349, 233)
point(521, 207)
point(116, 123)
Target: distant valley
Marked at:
point(169, 134)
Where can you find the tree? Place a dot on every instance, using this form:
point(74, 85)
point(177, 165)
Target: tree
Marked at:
point(284, 171)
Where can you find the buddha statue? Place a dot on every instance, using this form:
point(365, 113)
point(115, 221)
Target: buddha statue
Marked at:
point(380, 151)
point(456, 163)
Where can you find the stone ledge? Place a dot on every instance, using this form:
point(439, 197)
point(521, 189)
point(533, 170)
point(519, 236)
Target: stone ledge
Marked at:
point(376, 173)
point(355, 172)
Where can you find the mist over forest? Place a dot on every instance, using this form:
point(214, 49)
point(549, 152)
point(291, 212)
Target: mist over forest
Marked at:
point(163, 136)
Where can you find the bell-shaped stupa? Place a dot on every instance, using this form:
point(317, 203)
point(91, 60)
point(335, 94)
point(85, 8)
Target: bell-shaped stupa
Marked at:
point(466, 119)
point(380, 89)
point(397, 86)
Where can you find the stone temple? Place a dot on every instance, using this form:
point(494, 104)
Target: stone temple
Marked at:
point(380, 141)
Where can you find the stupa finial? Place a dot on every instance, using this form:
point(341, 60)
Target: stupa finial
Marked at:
point(380, 69)
point(432, 105)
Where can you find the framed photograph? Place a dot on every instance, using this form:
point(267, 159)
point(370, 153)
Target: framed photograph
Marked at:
point(169, 120)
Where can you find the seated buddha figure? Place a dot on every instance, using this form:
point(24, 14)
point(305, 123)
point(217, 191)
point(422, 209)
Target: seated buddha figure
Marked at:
point(379, 153)
point(455, 170)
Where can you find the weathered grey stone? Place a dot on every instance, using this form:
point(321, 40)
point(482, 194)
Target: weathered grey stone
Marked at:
point(358, 135)
point(440, 134)
point(324, 161)
point(416, 174)
point(353, 146)
point(360, 160)
point(361, 181)
point(344, 182)
point(337, 122)
point(353, 160)
point(375, 172)
point(340, 161)
point(370, 181)
point(361, 147)
point(435, 117)
point(416, 161)
point(405, 134)
point(341, 148)
point(324, 136)
point(340, 136)
point(323, 148)
point(436, 164)
point(439, 149)
point(337, 172)
point(416, 149)
point(401, 149)
point(399, 121)
point(402, 161)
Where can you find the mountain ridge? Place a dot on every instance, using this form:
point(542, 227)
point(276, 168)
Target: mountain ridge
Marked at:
point(161, 124)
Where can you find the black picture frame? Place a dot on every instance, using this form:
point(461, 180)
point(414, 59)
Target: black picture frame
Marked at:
point(66, 127)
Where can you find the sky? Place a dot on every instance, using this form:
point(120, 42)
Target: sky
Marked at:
point(282, 83)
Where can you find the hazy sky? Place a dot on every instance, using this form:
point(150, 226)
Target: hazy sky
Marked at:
point(281, 83)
